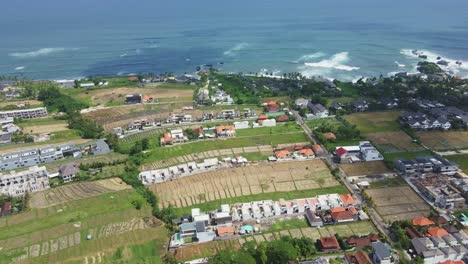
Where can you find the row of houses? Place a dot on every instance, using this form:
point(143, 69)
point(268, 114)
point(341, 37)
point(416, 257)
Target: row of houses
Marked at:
point(425, 164)
point(40, 112)
point(36, 156)
point(441, 246)
point(179, 136)
point(187, 169)
point(422, 121)
point(262, 121)
point(364, 152)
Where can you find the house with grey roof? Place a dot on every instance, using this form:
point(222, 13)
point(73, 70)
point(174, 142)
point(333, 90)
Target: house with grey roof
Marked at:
point(68, 171)
point(382, 253)
point(360, 105)
point(301, 102)
point(318, 110)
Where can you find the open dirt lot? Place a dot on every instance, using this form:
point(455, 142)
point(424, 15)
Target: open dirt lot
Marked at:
point(398, 203)
point(60, 126)
point(122, 115)
point(365, 168)
point(438, 140)
point(102, 96)
point(393, 141)
point(76, 191)
point(243, 181)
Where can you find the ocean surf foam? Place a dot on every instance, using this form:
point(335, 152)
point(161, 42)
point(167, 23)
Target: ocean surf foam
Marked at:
point(234, 50)
point(20, 68)
point(452, 68)
point(337, 62)
point(39, 52)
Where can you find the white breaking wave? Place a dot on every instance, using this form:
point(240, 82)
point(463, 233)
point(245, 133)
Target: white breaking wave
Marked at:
point(20, 68)
point(39, 52)
point(308, 57)
point(337, 62)
point(400, 65)
point(154, 46)
point(234, 50)
point(452, 68)
point(124, 55)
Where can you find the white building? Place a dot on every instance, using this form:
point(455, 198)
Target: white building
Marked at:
point(18, 183)
point(369, 152)
point(241, 124)
point(269, 122)
point(39, 112)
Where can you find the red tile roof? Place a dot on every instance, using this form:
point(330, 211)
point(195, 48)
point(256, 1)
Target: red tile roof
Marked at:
point(282, 118)
point(273, 108)
point(352, 210)
point(329, 243)
point(437, 231)
point(306, 152)
point(341, 151)
point(225, 230)
point(262, 117)
point(342, 216)
point(337, 209)
point(281, 153)
point(133, 78)
point(347, 199)
point(452, 262)
point(422, 221)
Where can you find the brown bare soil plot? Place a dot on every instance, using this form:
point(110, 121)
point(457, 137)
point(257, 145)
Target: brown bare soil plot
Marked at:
point(59, 126)
point(204, 249)
point(438, 140)
point(75, 191)
point(398, 203)
point(102, 96)
point(365, 168)
point(393, 141)
point(226, 183)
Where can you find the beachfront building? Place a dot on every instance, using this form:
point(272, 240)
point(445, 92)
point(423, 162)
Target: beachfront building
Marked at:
point(18, 183)
point(39, 112)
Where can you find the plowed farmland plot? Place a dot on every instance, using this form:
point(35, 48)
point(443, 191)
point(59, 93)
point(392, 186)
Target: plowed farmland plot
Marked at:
point(447, 140)
point(394, 141)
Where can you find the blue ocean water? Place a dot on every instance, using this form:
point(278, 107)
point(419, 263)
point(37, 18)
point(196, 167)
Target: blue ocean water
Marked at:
point(56, 39)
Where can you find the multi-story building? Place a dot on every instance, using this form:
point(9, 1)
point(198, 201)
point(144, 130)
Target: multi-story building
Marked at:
point(18, 183)
point(40, 112)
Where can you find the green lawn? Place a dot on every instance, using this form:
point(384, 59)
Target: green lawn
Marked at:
point(461, 160)
point(320, 122)
point(370, 122)
point(348, 89)
point(279, 129)
point(288, 224)
point(40, 122)
point(389, 182)
point(76, 211)
point(161, 153)
point(405, 155)
point(212, 205)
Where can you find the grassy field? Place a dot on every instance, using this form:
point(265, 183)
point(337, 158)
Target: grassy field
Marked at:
point(161, 153)
point(321, 122)
point(405, 155)
point(393, 141)
point(446, 140)
point(259, 131)
point(371, 122)
point(58, 233)
point(461, 160)
point(388, 182)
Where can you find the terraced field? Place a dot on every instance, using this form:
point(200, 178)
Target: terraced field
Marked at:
point(76, 191)
point(267, 180)
point(59, 233)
